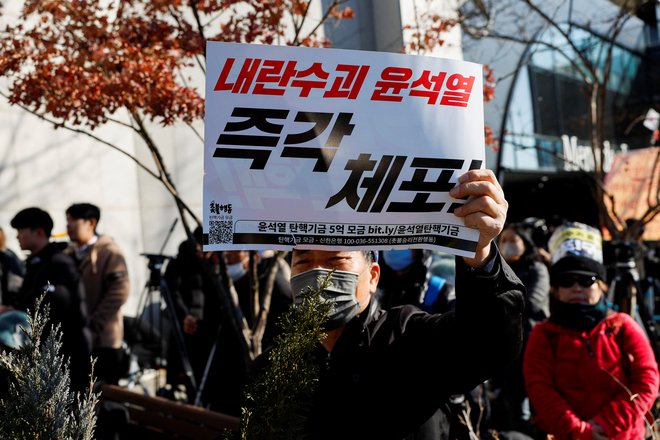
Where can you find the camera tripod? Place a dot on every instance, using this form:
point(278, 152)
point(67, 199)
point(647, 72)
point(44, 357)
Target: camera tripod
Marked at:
point(156, 284)
point(627, 295)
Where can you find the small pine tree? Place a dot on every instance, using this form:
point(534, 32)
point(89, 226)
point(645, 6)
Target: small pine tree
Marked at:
point(39, 404)
point(278, 400)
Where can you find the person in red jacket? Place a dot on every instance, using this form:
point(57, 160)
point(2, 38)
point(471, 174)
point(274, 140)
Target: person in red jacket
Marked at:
point(590, 372)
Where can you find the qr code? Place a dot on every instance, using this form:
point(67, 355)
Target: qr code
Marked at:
point(220, 231)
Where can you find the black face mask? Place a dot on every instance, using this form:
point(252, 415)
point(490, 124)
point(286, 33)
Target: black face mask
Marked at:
point(577, 316)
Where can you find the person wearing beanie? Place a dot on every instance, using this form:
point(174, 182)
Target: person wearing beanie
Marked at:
point(590, 372)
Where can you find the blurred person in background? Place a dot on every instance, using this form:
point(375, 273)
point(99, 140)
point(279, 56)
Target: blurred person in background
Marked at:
point(523, 257)
point(229, 369)
point(407, 278)
point(105, 276)
point(51, 272)
point(214, 347)
point(510, 404)
point(12, 271)
point(194, 280)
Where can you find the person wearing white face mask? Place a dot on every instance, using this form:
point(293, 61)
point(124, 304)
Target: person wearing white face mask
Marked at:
point(384, 373)
point(237, 264)
point(510, 409)
point(518, 249)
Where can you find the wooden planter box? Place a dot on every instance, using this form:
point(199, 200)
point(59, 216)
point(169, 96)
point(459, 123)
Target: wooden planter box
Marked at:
point(166, 419)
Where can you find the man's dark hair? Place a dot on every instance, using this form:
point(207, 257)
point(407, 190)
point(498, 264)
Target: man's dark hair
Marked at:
point(33, 218)
point(371, 256)
point(85, 211)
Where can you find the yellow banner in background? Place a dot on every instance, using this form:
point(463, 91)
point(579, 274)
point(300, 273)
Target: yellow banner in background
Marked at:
point(576, 239)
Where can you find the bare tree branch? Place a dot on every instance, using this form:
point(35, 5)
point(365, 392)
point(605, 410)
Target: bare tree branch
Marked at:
point(327, 13)
point(238, 320)
point(86, 133)
point(260, 323)
point(162, 170)
point(555, 25)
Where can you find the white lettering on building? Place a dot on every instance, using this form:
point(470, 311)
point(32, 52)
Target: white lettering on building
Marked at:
point(580, 157)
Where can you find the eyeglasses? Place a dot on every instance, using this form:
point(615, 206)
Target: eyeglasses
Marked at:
point(567, 280)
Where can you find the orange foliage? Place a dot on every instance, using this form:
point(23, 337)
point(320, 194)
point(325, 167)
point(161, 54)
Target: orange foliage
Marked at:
point(81, 61)
point(427, 34)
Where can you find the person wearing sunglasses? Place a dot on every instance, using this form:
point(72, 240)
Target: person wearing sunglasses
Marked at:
point(590, 372)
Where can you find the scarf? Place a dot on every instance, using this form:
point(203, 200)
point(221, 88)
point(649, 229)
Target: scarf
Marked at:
point(583, 317)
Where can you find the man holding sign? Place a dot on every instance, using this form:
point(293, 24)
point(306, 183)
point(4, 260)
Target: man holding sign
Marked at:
point(335, 154)
point(385, 373)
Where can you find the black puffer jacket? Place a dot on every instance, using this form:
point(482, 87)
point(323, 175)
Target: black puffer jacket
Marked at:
point(52, 272)
point(391, 370)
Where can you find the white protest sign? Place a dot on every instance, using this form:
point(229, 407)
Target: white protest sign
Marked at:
point(337, 149)
point(574, 238)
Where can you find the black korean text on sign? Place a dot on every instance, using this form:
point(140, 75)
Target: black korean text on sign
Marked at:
point(423, 188)
point(380, 184)
point(323, 155)
point(217, 208)
point(261, 119)
point(383, 179)
point(255, 118)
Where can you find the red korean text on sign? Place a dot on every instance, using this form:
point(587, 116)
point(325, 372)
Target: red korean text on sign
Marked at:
point(393, 81)
point(428, 86)
point(275, 77)
point(348, 86)
point(458, 93)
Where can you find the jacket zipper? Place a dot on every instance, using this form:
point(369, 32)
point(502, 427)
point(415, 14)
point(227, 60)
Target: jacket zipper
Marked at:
point(590, 348)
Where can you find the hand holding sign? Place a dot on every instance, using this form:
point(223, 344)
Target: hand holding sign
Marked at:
point(338, 149)
point(485, 209)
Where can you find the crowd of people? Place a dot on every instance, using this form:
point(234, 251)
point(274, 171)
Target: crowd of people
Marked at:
point(84, 283)
point(512, 343)
point(573, 377)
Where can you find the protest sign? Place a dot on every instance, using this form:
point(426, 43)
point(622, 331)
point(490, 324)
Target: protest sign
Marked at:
point(574, 238)
point(337, 149)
